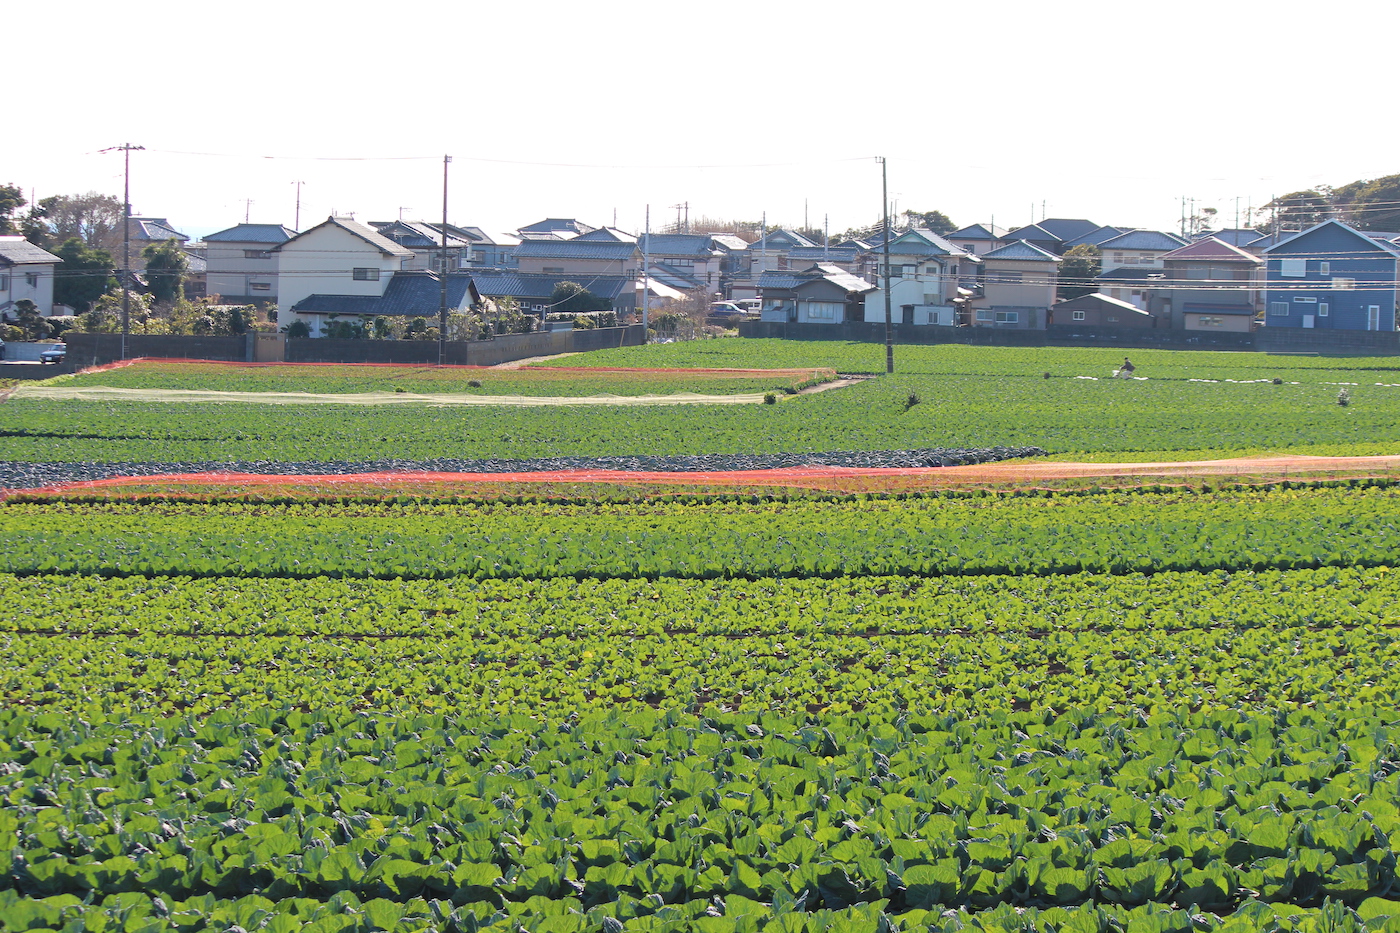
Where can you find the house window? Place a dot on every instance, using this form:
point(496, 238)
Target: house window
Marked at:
point(1197, 272)
point(1323, 309)
point(31, 279)
point(984, 314)
point(1342, 284)
point(553, 270)
point(1206, 321)
point(1373, 317)
point(1118, 258)
point(361, 274)
point(1278, 308)
point(257, 254)
point(260, 286)
point(1293, 268)
point(1004, 278)
point(478, 255)
point(1078, 315)
point(1112, 319)
point(1324, 268)
point(1008, 317)
point(823, 310)
point(4, 283)
point(1299, 299)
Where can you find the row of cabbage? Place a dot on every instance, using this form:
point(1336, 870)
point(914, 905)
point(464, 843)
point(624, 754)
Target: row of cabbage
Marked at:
point(661, 820)
point(932, 535)
point(112, 647)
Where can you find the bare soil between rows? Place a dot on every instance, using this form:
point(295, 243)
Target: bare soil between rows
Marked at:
point(997, 475)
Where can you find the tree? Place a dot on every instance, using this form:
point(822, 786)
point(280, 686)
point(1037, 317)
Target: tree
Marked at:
point(1370, 205)
point(937, 221)
point(166, 268)
point(84, 277)
point(298, 329)
point(1077, 271)
point(94, 218)
point(30, 321)
point(571, 296)
point(1299, 210)
point(11, 200)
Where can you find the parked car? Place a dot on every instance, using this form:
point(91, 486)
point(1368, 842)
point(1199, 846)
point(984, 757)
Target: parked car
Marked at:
point(54, 354)
point(725, 309)
point(750, 305)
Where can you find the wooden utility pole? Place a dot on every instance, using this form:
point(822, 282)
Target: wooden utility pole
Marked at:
point(442, 271)
point(889, 312)
point(126, 149)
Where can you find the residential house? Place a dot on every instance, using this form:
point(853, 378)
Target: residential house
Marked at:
point(426, 242)
point(1094, 237)
point(1018, 287)
point(1037, 236)
point(821, 294)
point(978, 239)
point(489, 250)
point(26, 272)
point(144, 232)
point(1208, 285)
point(554, 228)
point(338, 257)
point(606, 251)
point(1131, 262)
point(925, 272)
point(241, 267)
point(688, 261)
point(1333, 277)
point(418, 293)
point(1096, 310)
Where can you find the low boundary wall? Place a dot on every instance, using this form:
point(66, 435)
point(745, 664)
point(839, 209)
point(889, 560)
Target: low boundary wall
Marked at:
point(97, 349)
point(1270, 340)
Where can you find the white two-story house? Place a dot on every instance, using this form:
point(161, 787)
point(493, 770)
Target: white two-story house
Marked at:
point(336, 257)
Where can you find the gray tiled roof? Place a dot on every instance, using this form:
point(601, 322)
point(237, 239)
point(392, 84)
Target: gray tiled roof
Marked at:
point(606, 235)
point(359, 230)
point(678, 244)
point(1382, 245)
point(156, 228)
point(1062, 228)
point(978, 232)
point(15, 251)
point(781, 239)
point(556, 225)
point(419, 235)
point(1144, 239)
point(1032, 232)
point(252, 233)
point(574, 249)
point(1021, 251)
point(1129, 275)
point(1095, 237)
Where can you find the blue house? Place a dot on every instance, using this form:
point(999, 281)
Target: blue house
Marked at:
point(1332, 277)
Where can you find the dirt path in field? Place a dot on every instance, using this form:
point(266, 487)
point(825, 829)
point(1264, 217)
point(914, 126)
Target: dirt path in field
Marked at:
point(1014, 471)
point(108, 394)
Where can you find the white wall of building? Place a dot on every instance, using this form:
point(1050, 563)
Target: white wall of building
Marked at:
point(322, 261)
point(33, 281)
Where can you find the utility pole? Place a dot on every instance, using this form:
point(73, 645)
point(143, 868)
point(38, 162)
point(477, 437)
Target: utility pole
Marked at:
point(687, 217)
point(296, 224)
point(442, 271)
point(889, 313)
point(646, 277)
point(126, 149)
point(247, 208)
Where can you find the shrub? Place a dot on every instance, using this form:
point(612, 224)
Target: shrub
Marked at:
point(912, 400)
point(769, 398)
point(1278, 381)
point(474, 383)
point(1344, 397)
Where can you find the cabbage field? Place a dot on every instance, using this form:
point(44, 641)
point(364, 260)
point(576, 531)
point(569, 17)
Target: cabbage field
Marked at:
point(1158, 710)
point(1188, 405)
point(563, 708)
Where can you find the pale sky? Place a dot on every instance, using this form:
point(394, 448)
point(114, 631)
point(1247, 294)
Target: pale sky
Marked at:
point(1112, 111)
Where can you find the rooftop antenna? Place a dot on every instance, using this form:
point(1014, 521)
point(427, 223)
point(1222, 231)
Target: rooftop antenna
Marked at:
point(402, 209)
point(296, 223)
point(247, 208)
